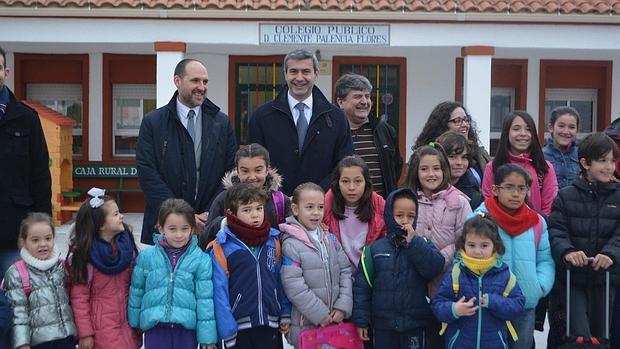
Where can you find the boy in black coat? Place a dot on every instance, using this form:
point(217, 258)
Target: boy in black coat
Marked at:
point(390, 288)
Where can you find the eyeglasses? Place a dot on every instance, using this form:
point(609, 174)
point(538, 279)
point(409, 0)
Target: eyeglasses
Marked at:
point(459, 121)
point(512, 188)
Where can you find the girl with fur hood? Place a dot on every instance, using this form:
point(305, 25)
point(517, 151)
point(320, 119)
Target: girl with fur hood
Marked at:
point(251, 166)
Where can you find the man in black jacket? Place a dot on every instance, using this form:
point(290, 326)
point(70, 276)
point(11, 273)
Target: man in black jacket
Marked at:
point(25, 180)
point(374, 140)
point(184, 148)
point(305, 134)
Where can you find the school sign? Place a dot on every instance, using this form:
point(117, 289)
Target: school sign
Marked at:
point(324, 34)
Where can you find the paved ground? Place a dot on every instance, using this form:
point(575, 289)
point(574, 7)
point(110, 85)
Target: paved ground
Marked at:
point(135, 220)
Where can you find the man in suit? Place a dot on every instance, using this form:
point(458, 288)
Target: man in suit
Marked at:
point(184, 148)
point(305, 134)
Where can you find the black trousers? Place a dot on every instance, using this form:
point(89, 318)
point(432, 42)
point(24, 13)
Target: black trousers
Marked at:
point(65, 343)
point(263, 337)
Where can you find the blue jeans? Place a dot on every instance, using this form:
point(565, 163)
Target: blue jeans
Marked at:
point(524, 325)
point(7, 257)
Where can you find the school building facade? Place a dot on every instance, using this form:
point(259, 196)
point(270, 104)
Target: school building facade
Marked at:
point(106, 63)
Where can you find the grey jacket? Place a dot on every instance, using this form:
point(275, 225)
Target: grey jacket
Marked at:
point(313, 287)
point(45, 315)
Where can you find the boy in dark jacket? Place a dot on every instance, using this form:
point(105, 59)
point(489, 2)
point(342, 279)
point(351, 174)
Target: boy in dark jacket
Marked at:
point(390, 287)
point(251, 308)
point(584, 231)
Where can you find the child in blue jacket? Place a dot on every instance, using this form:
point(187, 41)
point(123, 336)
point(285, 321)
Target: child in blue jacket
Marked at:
point(171, 294)
point(480, 296)
point(251, 308)
point(391, 282)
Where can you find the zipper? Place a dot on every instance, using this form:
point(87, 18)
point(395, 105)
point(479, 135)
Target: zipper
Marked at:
point(499, 333)
point(258, 277)
point(232, 310)
point(171, 279)
point(275, 292)
point(479, 330)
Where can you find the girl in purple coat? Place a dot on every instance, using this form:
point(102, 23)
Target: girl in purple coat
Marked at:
point(477, 300)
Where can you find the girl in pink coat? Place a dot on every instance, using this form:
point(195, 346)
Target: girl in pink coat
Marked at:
point(518, 144)
point(100, 262)
point(442, 210)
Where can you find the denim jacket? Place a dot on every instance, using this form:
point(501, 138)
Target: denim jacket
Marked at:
point(566, 165)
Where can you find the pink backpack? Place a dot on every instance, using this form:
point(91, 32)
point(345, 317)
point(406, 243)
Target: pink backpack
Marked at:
point(24, 275)
point(339, 336)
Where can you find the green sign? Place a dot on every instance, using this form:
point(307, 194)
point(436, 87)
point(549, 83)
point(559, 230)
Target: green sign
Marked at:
point(103, 171)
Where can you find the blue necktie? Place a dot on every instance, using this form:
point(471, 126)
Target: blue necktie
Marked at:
point(302, 125)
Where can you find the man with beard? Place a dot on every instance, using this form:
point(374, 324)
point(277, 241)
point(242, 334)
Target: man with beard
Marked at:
point(374, 140)
point(184, 148)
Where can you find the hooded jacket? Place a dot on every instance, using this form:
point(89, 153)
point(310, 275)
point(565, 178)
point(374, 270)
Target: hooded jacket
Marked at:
point(252, 296)
point(397, 301)
point(440, 219)
point(487, 328)
point(316, 277)
point(166, 162)
point(328, 139)
point(541, 199)
point(534, 268)
point(586, 217)
point(183, 295)
point(44, 315)
point(273, 183)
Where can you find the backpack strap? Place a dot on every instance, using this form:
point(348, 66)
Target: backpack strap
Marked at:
point(220, 257)
point(368, 266)
point(280, 205)
point(278, 246)
point(538, 231)
point(24, 275)
point(512, 282)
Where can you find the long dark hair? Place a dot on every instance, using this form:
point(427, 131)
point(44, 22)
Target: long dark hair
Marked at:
point(437, 123)
point(365, 209)
point(536, 154)
point(88, 222)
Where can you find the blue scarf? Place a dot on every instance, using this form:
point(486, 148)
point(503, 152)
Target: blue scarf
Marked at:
point(112, 260)
point(4, 101)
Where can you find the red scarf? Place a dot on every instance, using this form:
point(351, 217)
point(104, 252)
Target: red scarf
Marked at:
point(515, 224)
point(251, 236)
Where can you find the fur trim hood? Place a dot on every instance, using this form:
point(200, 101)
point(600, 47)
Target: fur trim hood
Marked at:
point(273, 182)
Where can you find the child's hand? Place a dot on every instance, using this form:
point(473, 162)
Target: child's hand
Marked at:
point(484, 300)
point(284, 328)
point(601, 261)
point(326, 321)
point(24, 347)
point(324, 226)
point(363, 334)
point(86, 343)
point(410, 232)
point(576, 258)
point(463, 308)
point(337, 316)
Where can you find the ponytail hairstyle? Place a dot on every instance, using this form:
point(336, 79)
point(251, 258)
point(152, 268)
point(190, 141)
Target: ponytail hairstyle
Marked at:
point(536, 154)
point(433, 148)
point(88, 222)
point(364, 210)
point(484, 225)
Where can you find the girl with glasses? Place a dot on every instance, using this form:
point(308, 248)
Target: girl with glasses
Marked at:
point(452, 116)
point(524, 234)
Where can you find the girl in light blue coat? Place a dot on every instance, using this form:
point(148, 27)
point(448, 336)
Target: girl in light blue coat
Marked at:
point(526, 240)
point(171, 294)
